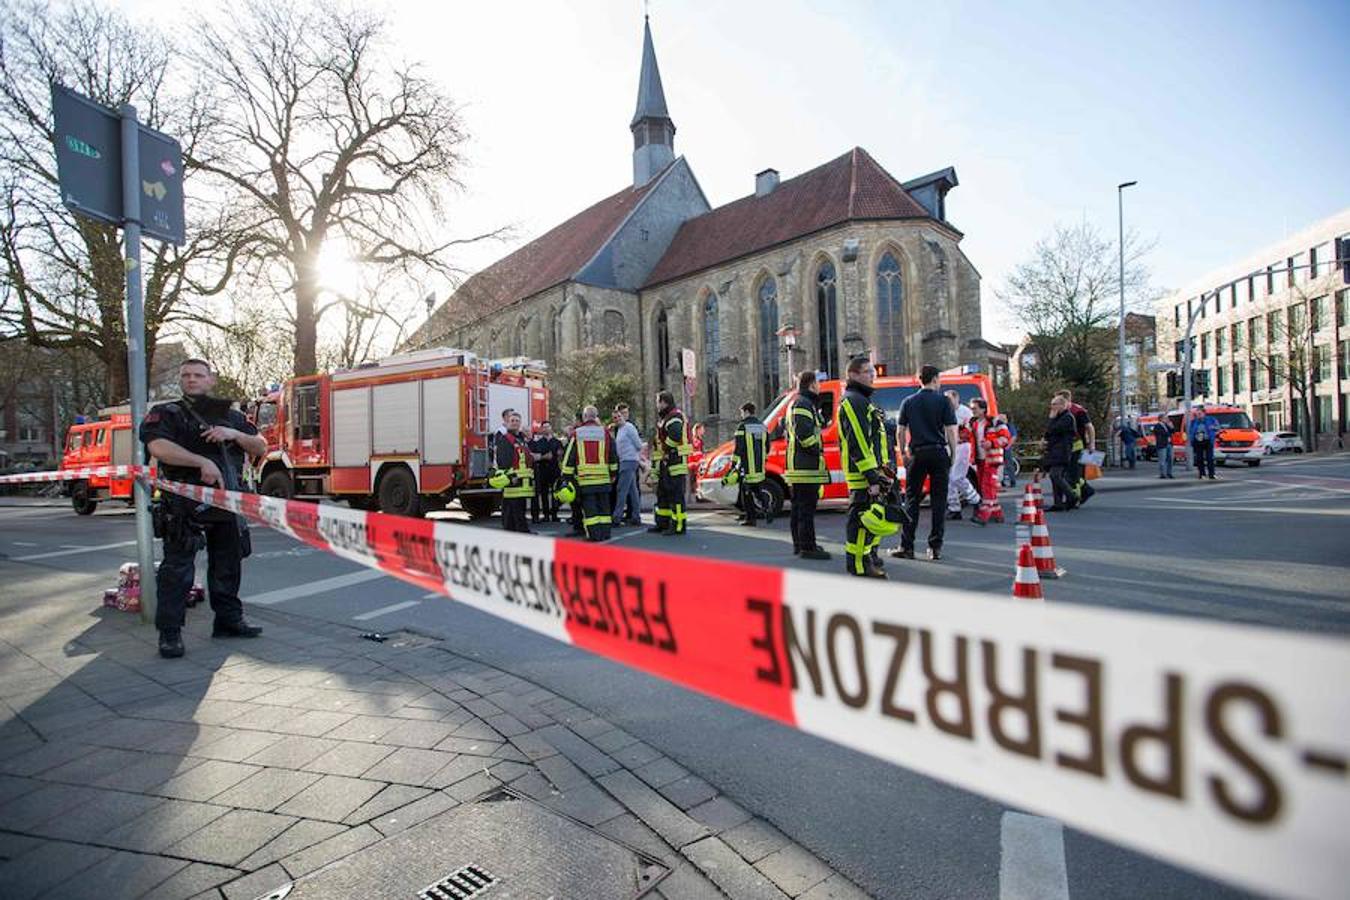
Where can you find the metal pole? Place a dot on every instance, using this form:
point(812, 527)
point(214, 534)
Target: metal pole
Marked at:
point(1186, 370)
point(1120, 357)
point(135, 316)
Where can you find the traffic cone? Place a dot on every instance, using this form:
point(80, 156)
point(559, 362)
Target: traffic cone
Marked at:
point(1037, 495)
point(1028, 514)
point(1041, 549)
point(1027, 584)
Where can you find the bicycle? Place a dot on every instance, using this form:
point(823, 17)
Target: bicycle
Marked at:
point(1012, 467)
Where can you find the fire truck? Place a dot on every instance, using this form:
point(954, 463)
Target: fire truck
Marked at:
point(105, 441)
point(403, 435)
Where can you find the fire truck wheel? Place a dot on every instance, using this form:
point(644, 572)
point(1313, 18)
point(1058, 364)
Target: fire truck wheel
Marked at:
point(398, 492)
point(277, 484)
point(82, 504)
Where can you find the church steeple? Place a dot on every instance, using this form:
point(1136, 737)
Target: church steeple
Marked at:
point(653, 131)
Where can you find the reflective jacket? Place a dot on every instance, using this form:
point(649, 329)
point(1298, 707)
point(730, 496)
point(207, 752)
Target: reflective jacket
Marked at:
point(513, 458)
point(751, 442)
point(993, 436)
point(671, 447)
point(805, 453)
point(590, 458)
point(858, 438)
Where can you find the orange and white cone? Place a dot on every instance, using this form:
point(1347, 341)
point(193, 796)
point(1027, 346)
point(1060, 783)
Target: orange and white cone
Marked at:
point(1027, 584)
point(1041, 549)
point(1027, 516)
point(1037, 495)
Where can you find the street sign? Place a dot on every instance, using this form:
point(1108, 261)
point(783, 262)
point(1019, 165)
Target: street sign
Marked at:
point(89, 167)
point(687, 367)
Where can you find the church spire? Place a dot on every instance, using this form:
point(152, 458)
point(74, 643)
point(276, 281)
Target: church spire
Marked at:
point(653, 130)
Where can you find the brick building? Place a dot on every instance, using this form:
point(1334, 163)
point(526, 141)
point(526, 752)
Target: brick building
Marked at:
point(851, 258)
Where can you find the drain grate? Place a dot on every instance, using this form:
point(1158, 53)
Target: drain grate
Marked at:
point(461, 884)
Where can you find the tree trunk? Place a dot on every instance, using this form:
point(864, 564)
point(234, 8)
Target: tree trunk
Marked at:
point(115, 360)
point(306, 326)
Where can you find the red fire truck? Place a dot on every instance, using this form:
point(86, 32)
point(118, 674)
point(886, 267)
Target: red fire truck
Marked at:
point(105, 441)
point(405, 434)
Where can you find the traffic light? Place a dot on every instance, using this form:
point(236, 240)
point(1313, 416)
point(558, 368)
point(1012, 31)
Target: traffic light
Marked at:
point(1201, 378)
point(1173, 384)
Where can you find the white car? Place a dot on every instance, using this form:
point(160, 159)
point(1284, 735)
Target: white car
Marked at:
point(1281, 442)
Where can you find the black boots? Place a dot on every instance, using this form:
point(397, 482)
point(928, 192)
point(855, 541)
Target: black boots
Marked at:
point(171, 643)
point(239, 629)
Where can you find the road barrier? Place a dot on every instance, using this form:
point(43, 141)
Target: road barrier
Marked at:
point(1215, 746)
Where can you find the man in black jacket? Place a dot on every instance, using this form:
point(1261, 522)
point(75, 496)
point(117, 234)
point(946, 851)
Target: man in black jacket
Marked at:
point(199, 440)
point(547, 451)
point(926, 433)
point(806, 472)
point(1060, 434)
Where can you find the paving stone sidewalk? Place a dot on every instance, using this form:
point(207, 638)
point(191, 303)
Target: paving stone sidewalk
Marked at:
point(251, 763)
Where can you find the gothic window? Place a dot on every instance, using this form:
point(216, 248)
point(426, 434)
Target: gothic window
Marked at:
point(827, 319)
point(557, 326)
point(712, 351)
point(612, 327)
point(518, 339)
point(890, 314)
point(662, 347)
point(770, 376)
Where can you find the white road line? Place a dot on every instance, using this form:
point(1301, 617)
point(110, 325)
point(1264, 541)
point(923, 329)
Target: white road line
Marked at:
point(73, 550)
point(1032, 865)
point(623, 537)
point(314, 587)
point(383, 610)
point(24, 544)
point(433, 596)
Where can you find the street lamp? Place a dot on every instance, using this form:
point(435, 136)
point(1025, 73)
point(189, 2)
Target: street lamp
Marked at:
point(1120, 362)
point(789, 335)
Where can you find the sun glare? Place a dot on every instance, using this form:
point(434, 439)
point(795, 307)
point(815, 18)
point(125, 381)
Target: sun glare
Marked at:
point(338, 271)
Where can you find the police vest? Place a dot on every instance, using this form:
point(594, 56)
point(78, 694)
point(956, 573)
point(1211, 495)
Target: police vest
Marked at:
point(588, 460)
point(856, 437)
point(805, 461)
point(521, 471)
point(674, 451)
point(752, 440)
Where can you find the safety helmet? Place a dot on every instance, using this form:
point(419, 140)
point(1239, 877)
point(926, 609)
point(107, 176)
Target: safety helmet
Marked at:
point(732, 477)
point(882, 519)
point(499, 480)
point(565, 492)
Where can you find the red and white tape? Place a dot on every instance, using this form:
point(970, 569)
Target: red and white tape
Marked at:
point(1219, 747)
point(75, 474)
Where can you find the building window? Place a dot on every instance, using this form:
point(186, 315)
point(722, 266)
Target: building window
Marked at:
point(662, 347)
point(30, 433)
point(1272, 327)
point(613, 329)
point(1235, 332)
point(1318, 308)
point(769, 379)
point(1340, 309)
point(1176, 315)
point(827, 319)
point(1204, 345)
point(1238, 386)
point(1256, 372)
point(1312, 263)
point(1270, 279)
point(1254, 334)
point(518, 339)
point(890, 314)
point(1290, 263)
point(1223, 380)
point(1218, 341)
point(1322, 363)
point(712, 352)
point(1322, 420)
point(556, 327)
point(1274, 365)
point(1343, 360)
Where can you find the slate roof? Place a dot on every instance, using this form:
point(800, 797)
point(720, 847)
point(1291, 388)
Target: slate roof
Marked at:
point(852, 187)
point(651, 99)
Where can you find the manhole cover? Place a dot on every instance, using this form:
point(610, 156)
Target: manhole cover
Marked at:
point(531, 852)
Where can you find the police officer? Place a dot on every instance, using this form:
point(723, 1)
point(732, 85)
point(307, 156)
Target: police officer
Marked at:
point(928, 421)
point(806, 472)
point(861, 433)
point(592, 463)
point(515, 475)
point(199, 439)
point(750, 442)
point(670, 452)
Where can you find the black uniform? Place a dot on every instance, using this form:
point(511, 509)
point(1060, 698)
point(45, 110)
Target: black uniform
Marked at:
point(806, 471)
point(545, 505)
point(189, 526)
point(927, 414)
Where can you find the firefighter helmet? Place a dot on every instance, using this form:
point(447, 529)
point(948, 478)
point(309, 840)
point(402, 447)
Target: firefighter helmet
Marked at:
point(732, 477)
point(565, 492)
point(882, 519)
point(499, 480)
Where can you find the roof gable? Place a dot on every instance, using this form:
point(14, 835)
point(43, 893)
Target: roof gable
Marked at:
point(853, 186)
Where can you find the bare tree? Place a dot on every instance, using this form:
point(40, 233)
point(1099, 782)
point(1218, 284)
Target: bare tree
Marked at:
point(326, 139)
point(602, 375)
point(1286, 351)
point(63, 284)
point(1066, 296)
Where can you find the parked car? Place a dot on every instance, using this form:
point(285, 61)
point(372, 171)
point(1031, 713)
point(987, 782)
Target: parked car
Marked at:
point(1281, 442)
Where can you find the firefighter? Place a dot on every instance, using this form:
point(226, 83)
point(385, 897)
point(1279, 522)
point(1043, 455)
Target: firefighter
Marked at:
point(670, 452)
point(514, 475)
point(199, 440)
point(806, 471)
point(861, 433)
point(750, 442)
point(592, 462)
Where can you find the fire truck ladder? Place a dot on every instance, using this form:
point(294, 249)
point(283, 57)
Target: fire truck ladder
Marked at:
point(480, 379)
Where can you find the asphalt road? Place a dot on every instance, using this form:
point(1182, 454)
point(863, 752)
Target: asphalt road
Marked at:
point(1264, 546)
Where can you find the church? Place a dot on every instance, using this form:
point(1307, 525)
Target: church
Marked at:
point(840, 260)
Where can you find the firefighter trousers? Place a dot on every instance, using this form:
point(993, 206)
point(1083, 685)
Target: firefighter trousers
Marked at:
point(595, 508)
point(859, 543)
point(804, 500)
point(513, 514)
point(670, 515)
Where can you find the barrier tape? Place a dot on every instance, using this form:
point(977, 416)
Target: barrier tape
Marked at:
point(1215, 746)
point(75, 474)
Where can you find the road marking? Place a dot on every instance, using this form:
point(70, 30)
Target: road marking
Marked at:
point(383, 610)
point(73, 550)
point(315, 587)
point(24, 544)
point(1281, 510)
point(432, 596)
point(1032, 859)
point(623, 537)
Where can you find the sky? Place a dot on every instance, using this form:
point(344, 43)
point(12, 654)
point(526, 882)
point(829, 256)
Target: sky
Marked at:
point(1233, 117)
